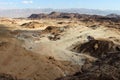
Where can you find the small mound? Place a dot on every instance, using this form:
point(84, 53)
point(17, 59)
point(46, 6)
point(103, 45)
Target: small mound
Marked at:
point(33, 25)
point(53, 29)
point(93, 26)
point(96, 48)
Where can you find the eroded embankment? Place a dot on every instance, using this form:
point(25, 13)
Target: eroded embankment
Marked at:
point(107, 67)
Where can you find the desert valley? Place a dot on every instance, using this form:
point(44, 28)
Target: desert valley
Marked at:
point(60, 46)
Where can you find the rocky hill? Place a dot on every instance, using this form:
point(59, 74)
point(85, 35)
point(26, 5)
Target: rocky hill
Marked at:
point(84, 17)
point(53, 15)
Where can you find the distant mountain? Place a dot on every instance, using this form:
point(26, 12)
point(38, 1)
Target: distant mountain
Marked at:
point(54, 15)
point(113, 16)
point(16, 13)
point(82, 17)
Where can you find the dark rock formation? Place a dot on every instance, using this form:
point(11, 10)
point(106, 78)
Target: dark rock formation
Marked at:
point(96, 48)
